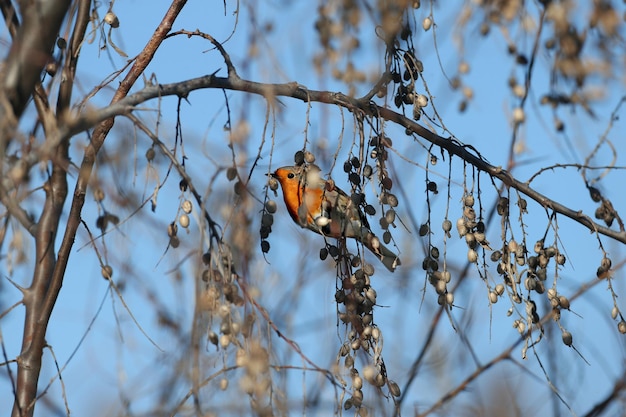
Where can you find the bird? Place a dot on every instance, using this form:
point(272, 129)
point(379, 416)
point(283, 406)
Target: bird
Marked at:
point(318, 205)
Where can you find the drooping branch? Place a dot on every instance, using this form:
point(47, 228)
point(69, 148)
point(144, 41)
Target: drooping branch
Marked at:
point(297, 91)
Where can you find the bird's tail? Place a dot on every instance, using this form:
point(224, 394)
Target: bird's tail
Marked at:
point(386, 256)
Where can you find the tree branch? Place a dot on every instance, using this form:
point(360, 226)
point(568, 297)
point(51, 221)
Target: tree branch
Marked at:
point(294, 90)
point(30, 50)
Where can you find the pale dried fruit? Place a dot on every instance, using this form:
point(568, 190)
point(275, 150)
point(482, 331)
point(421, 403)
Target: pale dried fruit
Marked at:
point(309, 157)
point(184, 220)
point(499, 289)
point(450, 298)
point(223, 384)
point(98, 194)
point(460, 227)
point(112, 20)
point(614, 313)
point(187, 206)
point(427, 23)
point(421, 100)
point(518, 115)
point(224, 341)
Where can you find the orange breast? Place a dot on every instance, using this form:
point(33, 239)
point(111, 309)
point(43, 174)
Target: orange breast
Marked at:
point(292, 193)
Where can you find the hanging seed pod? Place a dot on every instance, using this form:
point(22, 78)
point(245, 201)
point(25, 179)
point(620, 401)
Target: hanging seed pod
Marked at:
point(184, 220)
point(394, 389)
point(427, 23)
point(460, 227)
point(107, 272)
point(499, 289)
point(187, 206)
point(392, 200)
point(469, 213)
point(450, 299)
point(112, 20)
point(298, 158)
point(496, 256)
point(503, 206)
point(231, 173)
point(470, 239)
point(567, 338)
point(386, 183)
point(150, 154)
point(421, 100)
point(390, 216)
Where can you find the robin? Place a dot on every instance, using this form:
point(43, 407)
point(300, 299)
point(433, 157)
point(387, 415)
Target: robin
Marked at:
point(317, 205)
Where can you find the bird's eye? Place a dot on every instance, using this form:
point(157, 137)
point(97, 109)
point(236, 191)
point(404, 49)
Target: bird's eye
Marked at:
point(291, 175)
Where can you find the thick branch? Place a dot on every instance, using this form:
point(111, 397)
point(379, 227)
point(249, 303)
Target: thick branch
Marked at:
point(30, 50)
point(294, 90)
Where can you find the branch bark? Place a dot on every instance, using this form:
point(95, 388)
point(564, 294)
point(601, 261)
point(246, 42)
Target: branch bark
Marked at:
point(30, 50)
